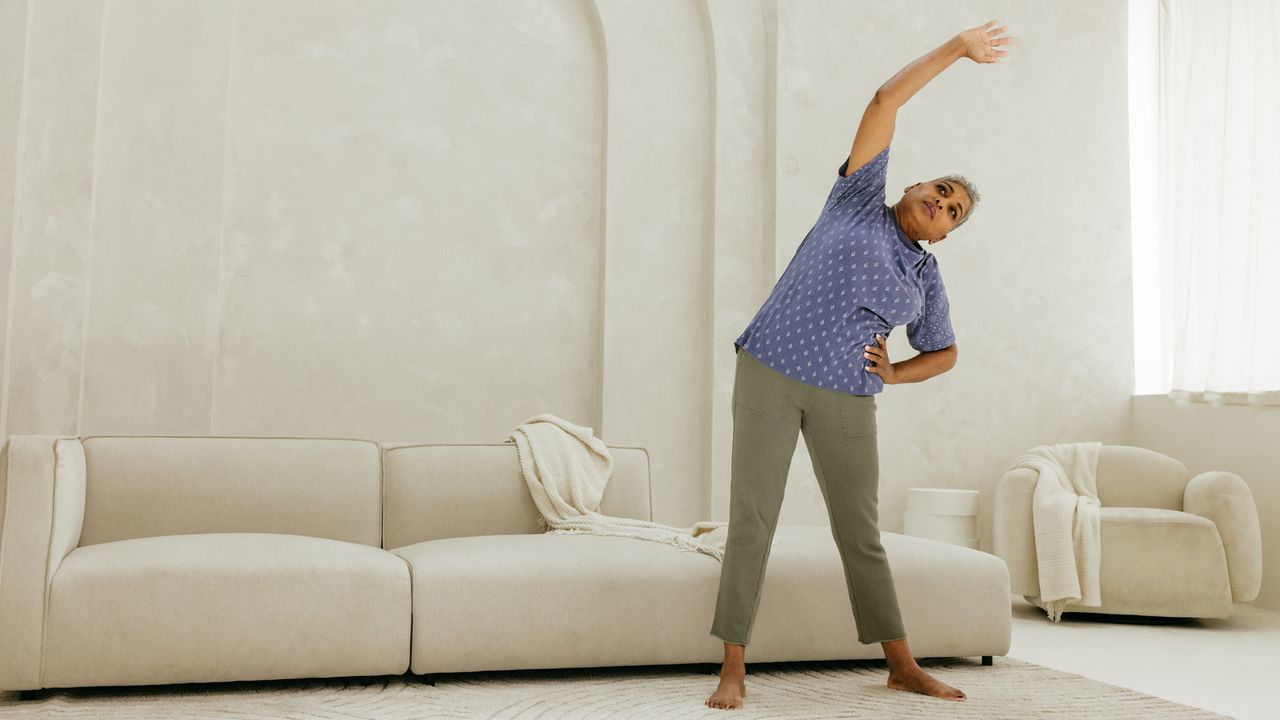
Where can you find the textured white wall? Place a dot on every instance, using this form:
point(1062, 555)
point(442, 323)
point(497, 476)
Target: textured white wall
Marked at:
point(431, 221)
point(307, 219)
point(13, 45)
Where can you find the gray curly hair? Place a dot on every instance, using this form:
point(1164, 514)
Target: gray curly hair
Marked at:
point(969, 188)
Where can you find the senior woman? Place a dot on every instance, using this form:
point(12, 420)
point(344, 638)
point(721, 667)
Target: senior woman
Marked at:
point(813, 359)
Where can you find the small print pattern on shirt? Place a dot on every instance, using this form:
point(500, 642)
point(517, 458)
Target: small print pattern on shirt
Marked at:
point(855, 274)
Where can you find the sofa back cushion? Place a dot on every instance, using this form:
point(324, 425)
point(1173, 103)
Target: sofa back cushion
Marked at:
point(435, 491)
point(1130, 476)
point(145, 486)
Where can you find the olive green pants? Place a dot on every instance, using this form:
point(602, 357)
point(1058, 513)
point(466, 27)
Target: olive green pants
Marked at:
point(839, 428)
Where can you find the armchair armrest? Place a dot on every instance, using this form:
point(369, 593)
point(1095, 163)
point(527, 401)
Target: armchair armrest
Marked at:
point(42, 495)
point(1013, 536)
point(1224, 498)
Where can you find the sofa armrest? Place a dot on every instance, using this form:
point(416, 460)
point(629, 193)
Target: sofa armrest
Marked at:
point(1224, 498)
point(41, 513)
point(1013, 536)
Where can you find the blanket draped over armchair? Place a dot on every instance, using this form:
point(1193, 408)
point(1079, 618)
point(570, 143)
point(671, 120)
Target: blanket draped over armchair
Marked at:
point(1066, 516)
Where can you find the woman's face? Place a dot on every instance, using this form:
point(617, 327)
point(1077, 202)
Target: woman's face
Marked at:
point(929, 210)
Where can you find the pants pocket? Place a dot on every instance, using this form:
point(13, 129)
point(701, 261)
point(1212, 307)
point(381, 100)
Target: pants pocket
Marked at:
point(757, 388)
point(858, 415)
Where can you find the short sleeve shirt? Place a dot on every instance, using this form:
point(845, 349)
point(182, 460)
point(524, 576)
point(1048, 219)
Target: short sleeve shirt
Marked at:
point(855, 274)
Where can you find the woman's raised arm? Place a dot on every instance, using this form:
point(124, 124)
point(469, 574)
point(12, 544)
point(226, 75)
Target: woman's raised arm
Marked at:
point(876, 129)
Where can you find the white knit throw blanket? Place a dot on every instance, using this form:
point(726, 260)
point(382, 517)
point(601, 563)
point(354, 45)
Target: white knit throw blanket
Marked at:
point(567, 467)
point(1067, 521)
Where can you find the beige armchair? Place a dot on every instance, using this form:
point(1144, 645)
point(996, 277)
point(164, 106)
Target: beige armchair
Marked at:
point(1172, 545)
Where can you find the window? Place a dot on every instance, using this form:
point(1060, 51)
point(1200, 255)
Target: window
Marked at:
point(1205, 159)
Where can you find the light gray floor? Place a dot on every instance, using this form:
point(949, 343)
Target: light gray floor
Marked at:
point(1225, 666)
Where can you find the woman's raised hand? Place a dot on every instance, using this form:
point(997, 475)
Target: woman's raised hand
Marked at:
point(980, 43)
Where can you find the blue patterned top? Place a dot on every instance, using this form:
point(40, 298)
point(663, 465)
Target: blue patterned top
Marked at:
point(854, 275)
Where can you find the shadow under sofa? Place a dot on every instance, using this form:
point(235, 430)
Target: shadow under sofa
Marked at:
point(144, 560)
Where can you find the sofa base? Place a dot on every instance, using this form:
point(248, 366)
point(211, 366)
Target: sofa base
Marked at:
point(1134, 613)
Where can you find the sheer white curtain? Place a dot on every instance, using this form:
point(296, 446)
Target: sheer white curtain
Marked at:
point(1219, 198)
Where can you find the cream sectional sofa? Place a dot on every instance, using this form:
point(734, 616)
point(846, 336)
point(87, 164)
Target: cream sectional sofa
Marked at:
point(139, 560)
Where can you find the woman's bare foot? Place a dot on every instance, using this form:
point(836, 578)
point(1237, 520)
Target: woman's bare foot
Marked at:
point(732, 688)
point(905, 674)
point(917, 680)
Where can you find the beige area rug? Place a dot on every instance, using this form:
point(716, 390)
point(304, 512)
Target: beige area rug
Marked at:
point(1010, 688)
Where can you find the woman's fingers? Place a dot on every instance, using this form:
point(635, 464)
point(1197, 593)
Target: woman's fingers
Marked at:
point(877, 353)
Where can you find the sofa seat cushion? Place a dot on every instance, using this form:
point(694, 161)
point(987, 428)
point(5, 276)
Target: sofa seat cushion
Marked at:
point(1162, 563)
point(217, 607)
point(581, 600)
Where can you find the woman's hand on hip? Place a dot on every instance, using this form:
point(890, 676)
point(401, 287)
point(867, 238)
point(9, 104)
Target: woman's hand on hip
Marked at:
point(878, 354)
point(980, 43)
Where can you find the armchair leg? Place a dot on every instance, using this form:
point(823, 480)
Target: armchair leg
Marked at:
point(986, 659)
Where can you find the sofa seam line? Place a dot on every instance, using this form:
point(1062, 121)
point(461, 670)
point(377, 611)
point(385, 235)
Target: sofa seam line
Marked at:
point(412, 614)
point(382, 497)
point(648, 476)
point(45, 579)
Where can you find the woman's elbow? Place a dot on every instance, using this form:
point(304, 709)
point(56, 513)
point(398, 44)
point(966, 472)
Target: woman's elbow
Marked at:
point(951, 354)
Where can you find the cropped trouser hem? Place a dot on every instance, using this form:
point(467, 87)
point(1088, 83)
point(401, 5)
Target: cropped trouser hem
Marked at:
point(735, 642)
point(864, 642)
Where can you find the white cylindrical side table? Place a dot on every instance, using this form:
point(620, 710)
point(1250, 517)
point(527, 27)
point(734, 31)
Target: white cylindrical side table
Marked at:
point(943, 514)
